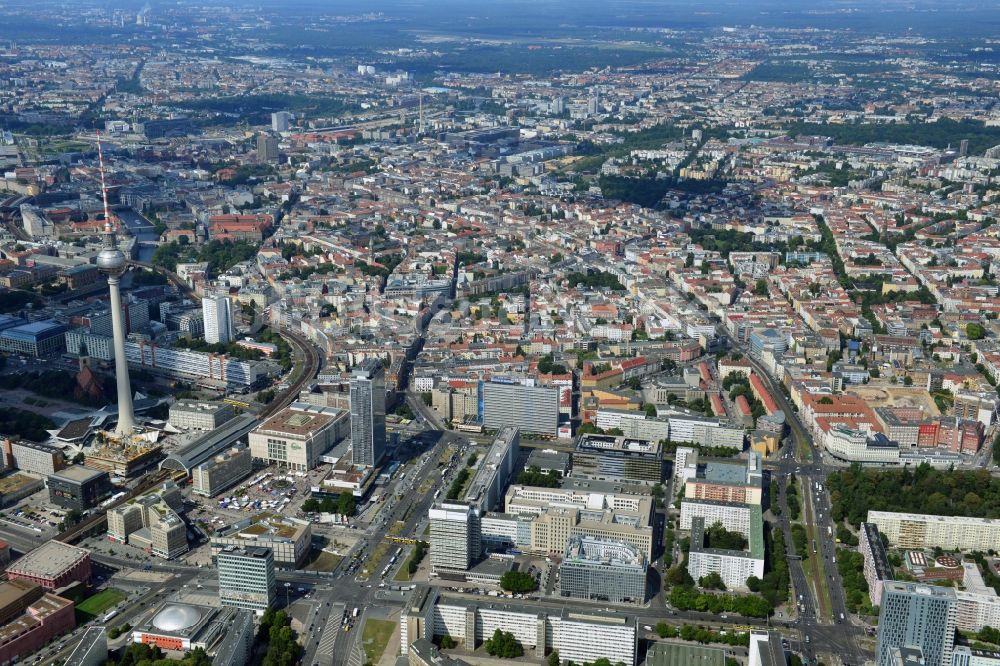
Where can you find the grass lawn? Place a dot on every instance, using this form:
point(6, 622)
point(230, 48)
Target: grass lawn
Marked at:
point(446, 455)
point(63, 146)
point(803, 452)
point(96, 604)
point(377, 556)
point(403, 574)
point(323, 561)
point(375, 637)
point(426, 485)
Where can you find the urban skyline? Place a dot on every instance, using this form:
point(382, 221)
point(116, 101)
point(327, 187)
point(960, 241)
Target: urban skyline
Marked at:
point(608, 333)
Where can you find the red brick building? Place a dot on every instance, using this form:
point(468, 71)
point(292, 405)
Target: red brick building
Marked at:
point(52, 565)
point(30, 618)
point(239, 227)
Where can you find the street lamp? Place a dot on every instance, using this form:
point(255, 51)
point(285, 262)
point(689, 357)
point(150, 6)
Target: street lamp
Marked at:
point(288, 587)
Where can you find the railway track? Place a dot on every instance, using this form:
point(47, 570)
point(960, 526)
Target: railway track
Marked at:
point(310, 366)
point(173, 278)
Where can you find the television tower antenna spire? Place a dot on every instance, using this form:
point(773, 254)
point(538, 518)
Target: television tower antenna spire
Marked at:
point(104, 187)
point(112, 262)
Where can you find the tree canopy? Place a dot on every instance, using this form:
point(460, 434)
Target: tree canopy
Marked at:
point(220, 255)
point(518, 582)
point(855, 491)
point(533, 476)
point(717, 536)
point(503, 644)
point(595, 280)
point(685, 597)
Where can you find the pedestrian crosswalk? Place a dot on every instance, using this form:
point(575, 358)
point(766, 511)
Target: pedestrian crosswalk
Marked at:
point(327, 640)
point(357, 657)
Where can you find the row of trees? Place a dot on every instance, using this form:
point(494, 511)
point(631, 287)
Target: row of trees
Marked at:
point(458, 484)
point(775, 584)
point(141, 654)
point(988, 635)
point(688, 632)
point(670, 447)
point(851, 565)
point(686, 597)
point(284, 353)
point(792, 498)
point(416, 557)
point(229, 348)
point(800, 540)
point(115, 632)
point(986, 570)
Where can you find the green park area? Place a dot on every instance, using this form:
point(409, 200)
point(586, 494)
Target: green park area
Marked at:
point(323, 561)
point(375, 638)
point(96, 604)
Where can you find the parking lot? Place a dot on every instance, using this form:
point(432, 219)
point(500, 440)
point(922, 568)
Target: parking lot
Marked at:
point(34, 515)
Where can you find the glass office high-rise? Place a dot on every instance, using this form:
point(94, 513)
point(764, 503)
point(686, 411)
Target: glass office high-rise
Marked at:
point(914, 615)
point(368, 413)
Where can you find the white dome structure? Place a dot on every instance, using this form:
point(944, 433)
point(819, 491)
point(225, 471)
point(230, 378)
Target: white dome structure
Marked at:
point(176, 618)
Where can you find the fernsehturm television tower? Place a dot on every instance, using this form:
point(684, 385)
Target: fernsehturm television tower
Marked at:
point(111, 261)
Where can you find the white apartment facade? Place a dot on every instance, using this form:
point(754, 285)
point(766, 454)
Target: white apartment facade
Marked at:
point(912, 530)
point(577, 636)
point(734, 517)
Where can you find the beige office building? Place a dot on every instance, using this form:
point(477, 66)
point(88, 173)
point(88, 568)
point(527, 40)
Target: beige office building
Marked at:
point(151, 522)
point(556, 514)
point(522, 500)
point(551, 531)
point(298, 435)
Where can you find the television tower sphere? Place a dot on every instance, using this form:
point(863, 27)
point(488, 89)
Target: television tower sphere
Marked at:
point(111, 261)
